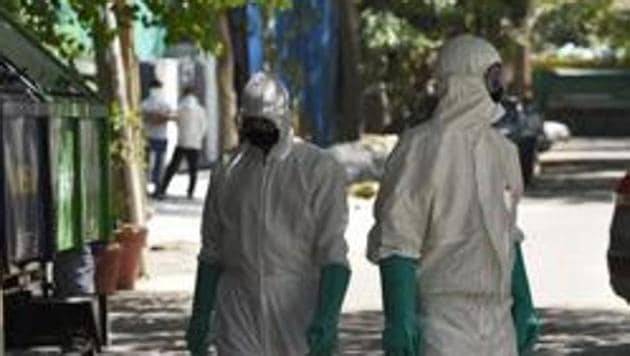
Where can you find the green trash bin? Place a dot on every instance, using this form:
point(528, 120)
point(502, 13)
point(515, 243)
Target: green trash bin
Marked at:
point(63, 151)
point(94, 175)
point(79, 149)
point(24, 189)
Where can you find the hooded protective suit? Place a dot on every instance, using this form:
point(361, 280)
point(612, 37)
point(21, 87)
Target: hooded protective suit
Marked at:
point(448, 200)
point(272, 222)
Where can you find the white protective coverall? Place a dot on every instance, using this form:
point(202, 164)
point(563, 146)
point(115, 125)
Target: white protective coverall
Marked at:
point(271, 223)
point(449, 200)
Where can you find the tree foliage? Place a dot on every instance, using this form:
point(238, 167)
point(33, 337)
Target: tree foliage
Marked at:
point(74, 27)
point(400, 36)
point(581, 23)
point(400, 39)
point(193, 21)
point(44, 20)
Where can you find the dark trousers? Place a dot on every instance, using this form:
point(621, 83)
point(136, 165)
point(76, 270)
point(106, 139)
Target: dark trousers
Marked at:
point(192, 157)
point(73, 272)
point(157, 148)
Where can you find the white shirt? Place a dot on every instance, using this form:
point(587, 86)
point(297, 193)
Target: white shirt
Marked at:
point(155, 103)
point(191, 123)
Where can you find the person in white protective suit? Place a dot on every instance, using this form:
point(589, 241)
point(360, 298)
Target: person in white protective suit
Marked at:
point(445, 235)
point(273, 253)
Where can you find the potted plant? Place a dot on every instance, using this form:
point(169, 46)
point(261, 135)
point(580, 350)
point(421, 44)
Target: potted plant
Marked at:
point(107, 268)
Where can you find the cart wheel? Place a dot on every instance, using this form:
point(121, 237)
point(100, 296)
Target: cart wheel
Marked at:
point(86, 352)
point(80, 344)
point(91, 352)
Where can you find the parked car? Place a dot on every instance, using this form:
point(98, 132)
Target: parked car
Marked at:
point(619, 248)
point(525, 129)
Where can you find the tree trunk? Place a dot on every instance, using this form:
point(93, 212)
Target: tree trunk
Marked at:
point(120, 96)
point(130, 61)
point(2, 331)
point(350, 123)
point(227, 96)
point(523, 72)
point(523, 68)
point(132, 76)
point(101, 52)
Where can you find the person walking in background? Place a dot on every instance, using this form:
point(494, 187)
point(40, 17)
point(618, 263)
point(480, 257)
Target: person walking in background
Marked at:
point(445, 237)
point(156, 113)
point(191, 129)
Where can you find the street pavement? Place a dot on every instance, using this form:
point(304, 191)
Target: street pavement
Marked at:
point(565, 216)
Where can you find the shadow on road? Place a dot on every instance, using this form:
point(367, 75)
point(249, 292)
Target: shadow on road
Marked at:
point(576, 184)
point(360, 333)
point(178, 206)
point(585, 333)
point(151, 323)
point(155, 324)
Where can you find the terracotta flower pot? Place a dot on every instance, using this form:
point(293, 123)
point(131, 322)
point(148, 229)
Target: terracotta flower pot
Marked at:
point(132, 240)
point(107, 269)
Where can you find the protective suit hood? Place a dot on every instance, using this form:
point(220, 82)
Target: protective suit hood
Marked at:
point(448, 199)
point(264, 96)
point(460, 72)
point(456, 179)
point(272, 224)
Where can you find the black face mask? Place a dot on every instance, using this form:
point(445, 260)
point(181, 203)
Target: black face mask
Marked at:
point(495, 82)
point(497, 94)
point(260, 132)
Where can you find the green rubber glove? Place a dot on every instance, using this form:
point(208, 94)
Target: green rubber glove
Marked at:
point(322, 333)
point(524, 314)
point(203, 303)
point(402, 335)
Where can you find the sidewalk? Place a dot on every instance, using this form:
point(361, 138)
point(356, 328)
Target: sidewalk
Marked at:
point(154, 324)
point(174, 238)
point(152, 320)
point(613, 153)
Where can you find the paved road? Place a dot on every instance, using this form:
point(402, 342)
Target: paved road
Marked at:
point(565, 217)
point(153, 324)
